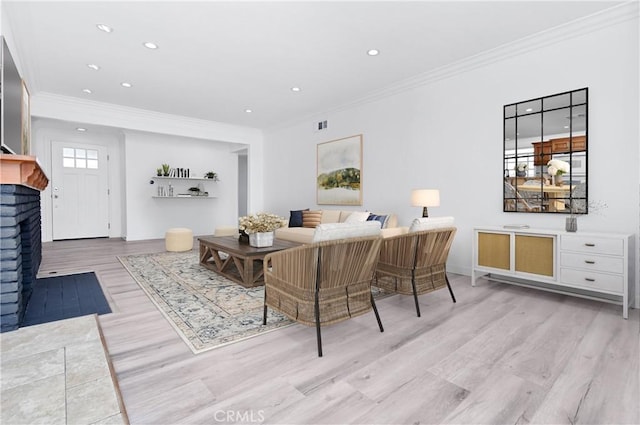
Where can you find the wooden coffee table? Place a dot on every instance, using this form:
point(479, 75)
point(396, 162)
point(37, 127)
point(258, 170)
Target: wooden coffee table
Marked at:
point(243, 263)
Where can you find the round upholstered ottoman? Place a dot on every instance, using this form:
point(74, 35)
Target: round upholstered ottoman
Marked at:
point(178, 239)
point(226, 231)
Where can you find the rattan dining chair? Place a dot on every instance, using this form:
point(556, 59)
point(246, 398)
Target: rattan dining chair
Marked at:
point(415, 263)
point(514, 201)
point(322, 283)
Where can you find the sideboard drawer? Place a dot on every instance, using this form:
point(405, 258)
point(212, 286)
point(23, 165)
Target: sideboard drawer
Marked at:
point(592, 262)
point(592, 280)
point(593, 245)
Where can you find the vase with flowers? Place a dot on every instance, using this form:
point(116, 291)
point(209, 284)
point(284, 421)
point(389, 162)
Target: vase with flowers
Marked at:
point(260, 228)
point(556, 168)
point(521, 169)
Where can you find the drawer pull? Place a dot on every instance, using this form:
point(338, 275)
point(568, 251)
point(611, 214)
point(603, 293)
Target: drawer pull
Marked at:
point(589, 279)
point(589, 244)
point(589, 261)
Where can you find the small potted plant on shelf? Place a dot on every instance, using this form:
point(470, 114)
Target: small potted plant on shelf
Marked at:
point(211, 175)
point(159, 172)
point(165, 170)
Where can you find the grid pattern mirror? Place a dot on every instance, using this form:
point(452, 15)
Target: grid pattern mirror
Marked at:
point(545, 154)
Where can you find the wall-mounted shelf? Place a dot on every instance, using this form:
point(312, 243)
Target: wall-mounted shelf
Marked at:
point(184, 197)
point(178, 187)
point(183, 178)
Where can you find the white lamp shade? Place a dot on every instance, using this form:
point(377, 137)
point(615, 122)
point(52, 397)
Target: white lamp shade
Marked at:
point(425, 198)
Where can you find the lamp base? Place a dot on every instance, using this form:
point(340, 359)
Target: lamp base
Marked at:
point(425, 212)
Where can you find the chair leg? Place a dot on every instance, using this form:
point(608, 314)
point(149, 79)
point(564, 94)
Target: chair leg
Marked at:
point(264, 315)
point(453, 297)
point(415, 295)
point(317, 312)
point(375, 310)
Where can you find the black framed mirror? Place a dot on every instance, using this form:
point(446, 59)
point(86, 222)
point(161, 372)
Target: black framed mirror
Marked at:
point(545, 154)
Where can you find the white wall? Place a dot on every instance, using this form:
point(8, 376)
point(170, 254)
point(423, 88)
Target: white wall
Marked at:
point(168, 138)
point(447, 134)
point(149, 218)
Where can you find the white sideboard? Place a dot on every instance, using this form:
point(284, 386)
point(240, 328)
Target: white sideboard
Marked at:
point(589, 265)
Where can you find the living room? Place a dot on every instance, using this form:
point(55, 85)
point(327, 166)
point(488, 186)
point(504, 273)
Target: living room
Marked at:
point(441, 129)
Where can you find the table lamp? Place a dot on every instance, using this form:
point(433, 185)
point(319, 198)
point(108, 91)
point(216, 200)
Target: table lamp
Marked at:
point(425, 198)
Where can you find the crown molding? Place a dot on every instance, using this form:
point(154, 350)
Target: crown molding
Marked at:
point(595, 22)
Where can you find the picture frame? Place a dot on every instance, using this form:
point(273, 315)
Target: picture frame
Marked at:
point(25, 136)
point(339, 172)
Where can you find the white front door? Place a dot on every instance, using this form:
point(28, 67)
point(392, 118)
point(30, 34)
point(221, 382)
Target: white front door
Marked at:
point(79, 182)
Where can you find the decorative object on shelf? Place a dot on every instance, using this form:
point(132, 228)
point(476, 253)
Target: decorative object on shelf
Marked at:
point(572, 224)
point(425, 198)
point(243, 237)
point(211, 175)
point(261, 239)
point(159, 172)
point(165, 170)
point(521, 169)
point(556, 168)
point(260, 223)
point(339, 167)
point(197, 191)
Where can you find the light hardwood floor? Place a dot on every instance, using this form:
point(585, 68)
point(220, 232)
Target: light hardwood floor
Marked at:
point(501, 355)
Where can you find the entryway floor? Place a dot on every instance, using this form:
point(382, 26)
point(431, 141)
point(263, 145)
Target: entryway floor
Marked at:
point(58, 373)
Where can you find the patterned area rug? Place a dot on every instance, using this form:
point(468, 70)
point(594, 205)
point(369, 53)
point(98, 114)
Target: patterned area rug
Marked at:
point(207, 310)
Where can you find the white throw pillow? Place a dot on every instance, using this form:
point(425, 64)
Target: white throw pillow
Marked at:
point(332, 231)
point(428, 223)
point(357, 217)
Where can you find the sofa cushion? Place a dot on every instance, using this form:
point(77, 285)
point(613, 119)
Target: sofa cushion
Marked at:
point(428, 223)
point(332, 231)
point(295, 218)
point(330, 216)
point(357, 217)
point(381, 218)
point(311, 218)
point(295, 234)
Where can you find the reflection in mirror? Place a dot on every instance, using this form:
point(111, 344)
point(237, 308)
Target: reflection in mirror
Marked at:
point(545, 154)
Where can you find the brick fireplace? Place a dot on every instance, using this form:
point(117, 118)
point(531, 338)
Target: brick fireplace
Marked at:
point(21, 180)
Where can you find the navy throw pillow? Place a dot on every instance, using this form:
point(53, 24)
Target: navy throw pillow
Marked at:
point(381, 218)
point(295, 218)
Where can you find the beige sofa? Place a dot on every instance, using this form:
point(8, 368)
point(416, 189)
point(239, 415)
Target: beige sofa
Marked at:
point(305, 234)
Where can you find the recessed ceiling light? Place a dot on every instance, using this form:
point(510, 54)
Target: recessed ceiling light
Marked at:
point(105, 28)
point(87, 91)
point(528, 109)
point(566, 126)
point(373, 52)
point(295, 89)
point(150, 45)
point(81, 129)
point(93, 66)
point(127, 85)
point(248, 111)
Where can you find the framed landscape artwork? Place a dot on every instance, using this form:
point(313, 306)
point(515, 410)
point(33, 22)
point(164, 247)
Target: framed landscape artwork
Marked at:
point(339, 170)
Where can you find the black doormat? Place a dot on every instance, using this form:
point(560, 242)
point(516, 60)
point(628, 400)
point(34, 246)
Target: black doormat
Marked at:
point(64, 297)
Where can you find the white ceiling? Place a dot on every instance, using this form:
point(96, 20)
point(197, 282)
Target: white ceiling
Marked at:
point(217, 59)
